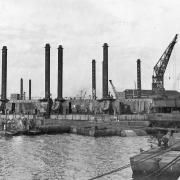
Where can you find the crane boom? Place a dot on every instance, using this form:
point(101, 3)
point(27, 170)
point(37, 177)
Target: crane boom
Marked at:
point(114, 89)
point(160, 67)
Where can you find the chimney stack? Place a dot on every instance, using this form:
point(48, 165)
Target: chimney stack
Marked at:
point(138, 78)
point(93, 79)
point(60, 72)
point(4, 74)
point(21, 89)
point(47, 71)
point(29, 89)
point(105, 70)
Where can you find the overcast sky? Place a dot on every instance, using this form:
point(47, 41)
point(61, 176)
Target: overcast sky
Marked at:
point(132, 28)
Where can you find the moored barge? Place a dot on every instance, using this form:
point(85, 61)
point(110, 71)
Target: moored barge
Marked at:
point(158, 161)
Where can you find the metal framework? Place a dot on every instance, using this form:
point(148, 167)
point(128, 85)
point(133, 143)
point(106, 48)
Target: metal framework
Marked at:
point(114, 89)
point(160, 67)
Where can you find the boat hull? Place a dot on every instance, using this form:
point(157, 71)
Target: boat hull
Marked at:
point(150, 162)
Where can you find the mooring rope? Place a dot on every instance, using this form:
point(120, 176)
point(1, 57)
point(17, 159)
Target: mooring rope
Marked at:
point(142, 160)
point(128, 165)
point(168, 165)
point(158, 171)
point(113, 171)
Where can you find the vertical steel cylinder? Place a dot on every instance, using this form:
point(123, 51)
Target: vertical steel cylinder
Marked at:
point(60, 73)
point(93, 79)
point(138, 78)
point(47, 71)
point(105, 70)
point(29, 89)
point(4, 74)
point(21, 89)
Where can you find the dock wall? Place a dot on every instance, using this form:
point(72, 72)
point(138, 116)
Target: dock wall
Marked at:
point(90, 117)
point(99, 117)
point(89, 125)
point(92, 128)
point(164, 117)
point(105, 117)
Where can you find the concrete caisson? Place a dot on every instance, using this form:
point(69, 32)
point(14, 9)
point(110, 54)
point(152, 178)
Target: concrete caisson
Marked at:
point(105, 71)
point(139, 78)
point(93, 79)
point(4, 73)
point(60, 73)
point(47, 71)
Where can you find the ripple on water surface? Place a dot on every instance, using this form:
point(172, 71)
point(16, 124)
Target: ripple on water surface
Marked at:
point(67, 157)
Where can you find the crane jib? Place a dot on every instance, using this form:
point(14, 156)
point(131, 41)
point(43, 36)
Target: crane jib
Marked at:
point(160, 67)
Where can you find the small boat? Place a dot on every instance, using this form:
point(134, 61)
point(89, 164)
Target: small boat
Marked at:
point(11, 133)
point(34, 132)
point(8, 133)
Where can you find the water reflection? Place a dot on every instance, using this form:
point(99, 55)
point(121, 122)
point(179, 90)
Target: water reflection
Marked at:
point(67, 157)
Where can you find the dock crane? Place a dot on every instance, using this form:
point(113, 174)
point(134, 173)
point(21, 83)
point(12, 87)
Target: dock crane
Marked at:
point(160, 68)
point(114, 89)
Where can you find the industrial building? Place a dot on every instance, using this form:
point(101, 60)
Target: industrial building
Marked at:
point(130, 101)
point(157, 100)
point(133, 94)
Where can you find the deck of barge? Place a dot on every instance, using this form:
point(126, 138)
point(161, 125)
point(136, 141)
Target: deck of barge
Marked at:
point(158, 161)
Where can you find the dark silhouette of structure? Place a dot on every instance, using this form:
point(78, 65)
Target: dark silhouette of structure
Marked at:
point(105, 71)
point(47, 71)
point(93, 79)
point(21, 89)
point(60, 73)
point(29, 89)
point(138, 78)
point(4, 74)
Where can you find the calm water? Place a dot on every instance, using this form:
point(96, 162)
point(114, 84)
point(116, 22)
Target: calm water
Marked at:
point(67, 157)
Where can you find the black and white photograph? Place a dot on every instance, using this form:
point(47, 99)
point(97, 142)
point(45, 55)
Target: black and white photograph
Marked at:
point(89, 90)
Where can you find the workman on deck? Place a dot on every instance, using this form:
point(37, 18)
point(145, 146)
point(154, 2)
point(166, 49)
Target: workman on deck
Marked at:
point(159, 138)
point(167, 139)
